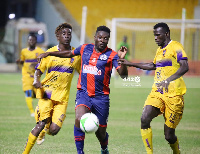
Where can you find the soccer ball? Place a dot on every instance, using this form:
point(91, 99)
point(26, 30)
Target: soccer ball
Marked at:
point(89, 123)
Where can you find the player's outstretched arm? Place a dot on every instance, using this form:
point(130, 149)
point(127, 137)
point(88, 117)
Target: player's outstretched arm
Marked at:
point(62, 54)
point(19, 61)
point(144, 66)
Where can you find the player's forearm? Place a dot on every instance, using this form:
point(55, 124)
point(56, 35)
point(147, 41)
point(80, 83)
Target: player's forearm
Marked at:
point(123, 71)
point(37, 76)
point(62, 54)
point(144, 66)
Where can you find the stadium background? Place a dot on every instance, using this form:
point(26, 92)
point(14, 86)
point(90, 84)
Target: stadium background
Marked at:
point(54, 12)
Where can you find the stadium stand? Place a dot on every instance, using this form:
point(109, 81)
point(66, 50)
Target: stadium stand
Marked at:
point(108, 9)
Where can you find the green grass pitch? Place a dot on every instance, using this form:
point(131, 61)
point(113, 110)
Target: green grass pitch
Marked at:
point(126, 104)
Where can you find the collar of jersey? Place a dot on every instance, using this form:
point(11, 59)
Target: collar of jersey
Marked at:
point(100, 52)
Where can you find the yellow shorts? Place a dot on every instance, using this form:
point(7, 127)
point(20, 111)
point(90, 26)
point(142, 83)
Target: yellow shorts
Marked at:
point(27, 83)
point(171, 107)
point(47, 108)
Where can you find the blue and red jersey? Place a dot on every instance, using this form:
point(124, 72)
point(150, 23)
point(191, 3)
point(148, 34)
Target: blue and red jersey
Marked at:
point(96, 69)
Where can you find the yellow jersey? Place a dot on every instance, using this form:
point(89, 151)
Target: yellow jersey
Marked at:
point(166, 61)
point(59, 73)
point(29, 57)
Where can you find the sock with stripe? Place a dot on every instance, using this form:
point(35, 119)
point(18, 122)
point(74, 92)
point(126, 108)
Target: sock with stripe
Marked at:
point(175, 147)
point(79, 137)
point(29, 102)
point(147, 139)
point(30, 143)
point(104, 143)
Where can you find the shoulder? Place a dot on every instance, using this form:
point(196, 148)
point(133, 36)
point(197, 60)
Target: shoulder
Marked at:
point(176, 44)
point(54, 48)
point(24, 49)
point(88, 46)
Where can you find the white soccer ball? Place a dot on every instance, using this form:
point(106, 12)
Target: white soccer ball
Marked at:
point(89, 123)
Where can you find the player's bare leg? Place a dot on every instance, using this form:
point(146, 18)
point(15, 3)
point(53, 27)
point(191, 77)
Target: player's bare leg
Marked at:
point(172, 139)
point(102, 136)
point(33, 136)
point(148, 114)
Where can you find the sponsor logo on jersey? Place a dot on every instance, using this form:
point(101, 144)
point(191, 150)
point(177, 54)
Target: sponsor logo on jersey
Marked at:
point(91, 69)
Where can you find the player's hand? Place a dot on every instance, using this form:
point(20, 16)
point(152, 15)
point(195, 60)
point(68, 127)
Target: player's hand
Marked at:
point(122, 52)
point(37, 84)
point(43, 55)
point(163, 86)
point(18, 61)
point(123, 61)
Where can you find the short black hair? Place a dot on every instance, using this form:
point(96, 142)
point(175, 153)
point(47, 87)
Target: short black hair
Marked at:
point(32, 34)
point(62, 26)
point(103, 28)
point(163, 25)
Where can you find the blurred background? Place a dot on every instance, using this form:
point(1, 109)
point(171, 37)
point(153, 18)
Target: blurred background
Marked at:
point(131, 21)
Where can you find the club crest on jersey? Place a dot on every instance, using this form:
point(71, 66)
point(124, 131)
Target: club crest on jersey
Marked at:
point(94, 59)
point(91, 69)
point(103, 57)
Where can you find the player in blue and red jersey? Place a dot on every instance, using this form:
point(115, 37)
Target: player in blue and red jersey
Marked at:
point(97, 61)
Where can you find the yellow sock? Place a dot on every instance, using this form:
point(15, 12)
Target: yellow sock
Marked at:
point(46, 128)
point(147, 140)
point(29, 144)
point(175, 147)
point(29, 103)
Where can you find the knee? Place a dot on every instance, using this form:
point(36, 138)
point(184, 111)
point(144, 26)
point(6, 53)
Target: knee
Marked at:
point(145, 121)
point(38, 128)
point(171, 138)
point(53, 130)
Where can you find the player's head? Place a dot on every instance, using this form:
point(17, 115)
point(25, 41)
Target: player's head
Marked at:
point(162, 34)
point(101, 38)
point(32, 40)
point(64, 33)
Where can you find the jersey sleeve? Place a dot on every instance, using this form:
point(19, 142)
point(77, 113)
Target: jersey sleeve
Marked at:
point(180, 53)
point(77, 51)
point(115, 62)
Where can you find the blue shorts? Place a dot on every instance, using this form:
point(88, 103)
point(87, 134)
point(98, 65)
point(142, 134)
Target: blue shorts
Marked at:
point(99, 105)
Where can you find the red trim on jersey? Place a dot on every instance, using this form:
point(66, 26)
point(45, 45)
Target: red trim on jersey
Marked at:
point(118, 67)
point(91, 77)
point(73, 52)
point(102, 125)
point(82, 105)
point(106, 88)
point(79, 79)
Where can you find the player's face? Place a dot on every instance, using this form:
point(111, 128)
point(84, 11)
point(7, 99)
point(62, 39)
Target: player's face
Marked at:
point(64, 36)
point(160, 36)
point(32, 41)
point(101, 40)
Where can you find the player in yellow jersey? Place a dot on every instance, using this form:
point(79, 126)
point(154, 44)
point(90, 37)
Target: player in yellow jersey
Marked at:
point(53, 90)
point(166, 97)
point(28, 60)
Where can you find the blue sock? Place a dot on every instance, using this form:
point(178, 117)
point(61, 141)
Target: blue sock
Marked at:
point(104, 143)
point(79, 137)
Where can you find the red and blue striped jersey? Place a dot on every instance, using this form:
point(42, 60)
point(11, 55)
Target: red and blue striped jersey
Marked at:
point(96, 69)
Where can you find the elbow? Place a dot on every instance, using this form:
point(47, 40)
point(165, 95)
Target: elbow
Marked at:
point(187, 69)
